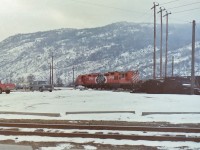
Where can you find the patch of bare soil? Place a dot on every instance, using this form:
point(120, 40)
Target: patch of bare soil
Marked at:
point(37, 145)
point(93, 122)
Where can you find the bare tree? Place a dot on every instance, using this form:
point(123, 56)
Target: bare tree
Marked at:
point(59, 82)
point(20, 80)
point(30, 78)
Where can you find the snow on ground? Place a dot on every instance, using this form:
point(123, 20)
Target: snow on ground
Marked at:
point(165, 145)
point(70, 100)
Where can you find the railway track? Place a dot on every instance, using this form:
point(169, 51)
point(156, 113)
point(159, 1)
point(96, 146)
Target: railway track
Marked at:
point(179, 133)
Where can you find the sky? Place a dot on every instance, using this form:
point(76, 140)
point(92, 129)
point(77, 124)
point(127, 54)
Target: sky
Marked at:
point(27, 16)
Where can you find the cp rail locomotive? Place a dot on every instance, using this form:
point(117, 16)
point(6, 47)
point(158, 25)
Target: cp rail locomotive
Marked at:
point(109, 80)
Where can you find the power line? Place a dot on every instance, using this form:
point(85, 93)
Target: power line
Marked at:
point(169, 2)
point(180, 20)
point(105, 6)
point(144, 16)
point(136, 12)
point(185, 10)
point(139, 16)
point(184, 5)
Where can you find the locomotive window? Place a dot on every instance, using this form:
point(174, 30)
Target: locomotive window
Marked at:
point(122, 75)
point(106, 74)
point(126, 75)
point(112, 73)
point(115, 77)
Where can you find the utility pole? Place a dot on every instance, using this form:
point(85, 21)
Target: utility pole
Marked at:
point(52, 69)
point(50, 74)
point(172, 66)
point(193, 57)
point(161, 38)
point(73, 74)
point(10, 78)
point(154, 53)
point(166, 52)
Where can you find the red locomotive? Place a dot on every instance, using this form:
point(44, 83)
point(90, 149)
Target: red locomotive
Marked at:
point(109, 80)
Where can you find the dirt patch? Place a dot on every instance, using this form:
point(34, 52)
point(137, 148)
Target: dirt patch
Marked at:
point(93, 122)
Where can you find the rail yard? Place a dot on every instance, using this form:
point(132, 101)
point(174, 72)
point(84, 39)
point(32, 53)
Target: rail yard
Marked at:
point(96, 119)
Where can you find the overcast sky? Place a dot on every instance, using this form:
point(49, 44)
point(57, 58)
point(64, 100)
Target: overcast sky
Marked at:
point(25, 16)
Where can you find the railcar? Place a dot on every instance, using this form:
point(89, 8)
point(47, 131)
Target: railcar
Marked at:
point(109, 80)
point(169, 85)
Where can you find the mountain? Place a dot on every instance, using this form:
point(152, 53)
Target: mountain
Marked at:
point(116, 47)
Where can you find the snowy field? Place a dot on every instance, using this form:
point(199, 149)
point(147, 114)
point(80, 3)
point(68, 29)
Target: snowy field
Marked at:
point(70, 100)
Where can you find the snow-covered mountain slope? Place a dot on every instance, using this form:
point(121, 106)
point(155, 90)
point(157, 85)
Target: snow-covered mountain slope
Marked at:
point(116, 47)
